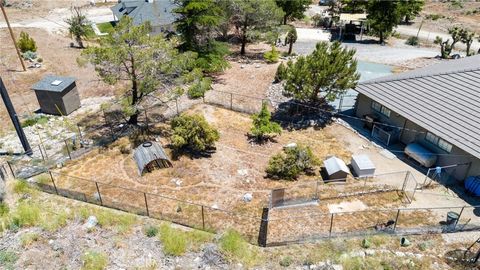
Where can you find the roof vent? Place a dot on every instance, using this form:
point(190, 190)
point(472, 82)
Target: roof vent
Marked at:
point(56, 82)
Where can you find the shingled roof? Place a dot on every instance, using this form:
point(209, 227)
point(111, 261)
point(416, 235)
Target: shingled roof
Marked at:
point(159, 12)
point(443, 98)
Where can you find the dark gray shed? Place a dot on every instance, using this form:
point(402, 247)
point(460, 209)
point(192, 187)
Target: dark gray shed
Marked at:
point(57, 95)
point(150, 155)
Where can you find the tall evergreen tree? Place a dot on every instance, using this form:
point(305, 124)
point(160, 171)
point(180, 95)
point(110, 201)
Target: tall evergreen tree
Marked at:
point(293, 9)
point(409, 9)
point(382, 17)
point(326, 73)
point(253, 16)
point(145, 61)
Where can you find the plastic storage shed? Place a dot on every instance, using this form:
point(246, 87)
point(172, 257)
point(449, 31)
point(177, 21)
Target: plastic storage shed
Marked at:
point(57, 95)
point(336, 169)
point(362, 166)
point(421, 154)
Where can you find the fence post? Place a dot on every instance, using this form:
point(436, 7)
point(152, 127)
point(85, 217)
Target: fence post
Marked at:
point(176, 105)
point(459, 215)
point(340, 103)
point(80, 132)
point(68, 150)
point(53, 182)
point(231, 101)
point(11, 170)
point(146, 203)
point(41, 152)
point(262, 233)
point(331, 225)
point(99, 195)
point(396, 220)
point(146, 119)
point(203, 219)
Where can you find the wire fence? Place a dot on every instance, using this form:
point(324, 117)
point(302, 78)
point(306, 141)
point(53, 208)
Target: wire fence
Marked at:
point(285, 228)
point(157, 206)
point(402, 183)
point(277, 225)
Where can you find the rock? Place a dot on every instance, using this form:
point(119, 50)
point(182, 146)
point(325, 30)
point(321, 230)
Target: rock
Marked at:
point(370, 252)
point(211, 256)
point(357, 254)
point(242, 66)
point(176, 181)
point(242, 172)
point(247, 197)
point(290, 145)
point(257, 66)
point(91, 222)
point(96, 196)
point(215, 206)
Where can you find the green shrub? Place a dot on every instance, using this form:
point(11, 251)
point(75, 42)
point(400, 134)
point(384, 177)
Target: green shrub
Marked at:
point(119, 221)
point(413, 41)
point(26, 214)
point(28, 238)
point(40, 60)
point(292, 162)
point(26, 43)
point(93, 260)
point(198, 88)
point(21, 187)
point(272, 56)
point(192, 132)
point(174, 242)
point(4, 209)
point(263, 128)
point(286, 261)
point(41, 120)
point(233, 245)
point(7, 259)
point(151, 231)
point(281, 73)
point(29, 55)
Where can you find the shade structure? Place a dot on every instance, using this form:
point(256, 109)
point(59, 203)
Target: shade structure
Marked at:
point(150, 155)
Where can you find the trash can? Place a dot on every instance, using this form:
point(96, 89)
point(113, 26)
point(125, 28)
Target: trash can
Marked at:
point(452, 217)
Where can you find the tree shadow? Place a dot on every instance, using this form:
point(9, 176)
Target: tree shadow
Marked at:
point(192, 154)
point(260, 140)
point(293, 115)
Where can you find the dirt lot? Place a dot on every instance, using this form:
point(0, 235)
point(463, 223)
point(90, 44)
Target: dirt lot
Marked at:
point(58, 58)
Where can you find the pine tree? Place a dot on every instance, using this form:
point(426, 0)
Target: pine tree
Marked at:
point(326, 73)
point(263, 128)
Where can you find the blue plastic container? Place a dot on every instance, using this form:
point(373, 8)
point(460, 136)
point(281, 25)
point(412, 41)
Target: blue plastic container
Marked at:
point(472, 184)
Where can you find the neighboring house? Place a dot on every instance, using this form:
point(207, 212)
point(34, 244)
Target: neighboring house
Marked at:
point(158, 12)
point(438, 107)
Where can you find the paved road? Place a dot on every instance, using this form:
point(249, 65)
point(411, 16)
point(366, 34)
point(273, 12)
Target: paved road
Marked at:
point(430, 36)
point(55, 20)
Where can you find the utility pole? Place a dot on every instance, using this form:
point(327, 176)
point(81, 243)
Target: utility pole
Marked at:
point(13, 37)
point(14, 118)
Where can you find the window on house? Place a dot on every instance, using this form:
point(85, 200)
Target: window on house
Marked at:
point(437, 141)
point(444, 145)
point(381, 109)
point(385, 111)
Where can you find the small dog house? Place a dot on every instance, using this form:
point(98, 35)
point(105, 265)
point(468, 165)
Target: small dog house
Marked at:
point(57, 95)
point(336, 169)
point(362, 166)
point(150, 155)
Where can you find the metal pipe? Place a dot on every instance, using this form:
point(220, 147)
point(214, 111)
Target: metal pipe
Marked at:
point(13, 37)
point(13, 116)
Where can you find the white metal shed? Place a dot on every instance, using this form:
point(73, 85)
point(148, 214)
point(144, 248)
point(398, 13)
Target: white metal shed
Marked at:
point(363, 166)
point(336, 169)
